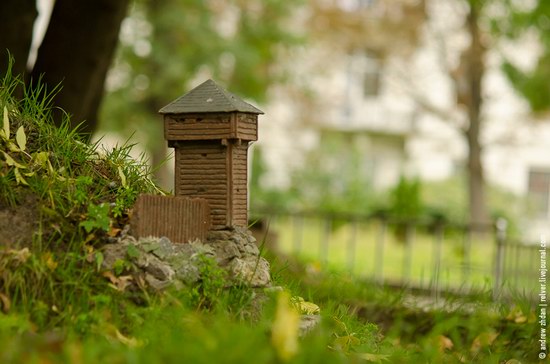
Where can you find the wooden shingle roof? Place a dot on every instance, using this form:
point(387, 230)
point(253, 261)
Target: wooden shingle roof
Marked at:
point(206, 98)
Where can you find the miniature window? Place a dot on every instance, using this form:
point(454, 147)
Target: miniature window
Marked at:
point(539, 192)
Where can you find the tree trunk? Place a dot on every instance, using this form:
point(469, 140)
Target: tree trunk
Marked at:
point(474, 75)
point(77, 50)
point(16, 25)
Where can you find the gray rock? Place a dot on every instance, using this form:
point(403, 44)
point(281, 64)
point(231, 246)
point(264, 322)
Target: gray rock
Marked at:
point(251, 270)
point(156, 283)
point(165, 263)
point(308, 323)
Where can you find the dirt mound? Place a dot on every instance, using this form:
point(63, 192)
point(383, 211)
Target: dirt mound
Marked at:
point(19, 224)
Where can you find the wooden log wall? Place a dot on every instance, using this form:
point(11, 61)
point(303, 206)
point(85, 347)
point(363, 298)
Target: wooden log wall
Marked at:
point(198, 127)
point(239, 188)
point(202, 171)
point(180, 219)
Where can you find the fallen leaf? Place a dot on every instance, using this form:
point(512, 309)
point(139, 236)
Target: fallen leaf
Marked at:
point(6, 303)
point(11, 162)
point(98, 260)
point(109, 275)
point(20, 255)
point(129, 341)
point(122, 177)
point(114, 232)
point(374, 358)
point(6, 124)
point(21, 138)
point(483, 340)
point(19, 178)
point(118, 283)
point(444, 343)
point(50, 262)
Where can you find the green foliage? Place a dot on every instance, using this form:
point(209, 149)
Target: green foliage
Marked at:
point(50, 174)
point(405, 199)
point(169, 44)
point(334, 179)
point(533, 85)
point(55, 307)
point(98, 218)
point(519, 20)
point(207, 293)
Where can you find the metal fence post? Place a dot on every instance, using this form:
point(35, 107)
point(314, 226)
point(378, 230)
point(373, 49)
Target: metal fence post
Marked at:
point(407, 253)
point(298, 225)
point(437, 252)
point(379, 255)
point(501, 226)
point(352, 246)
point(325, 240)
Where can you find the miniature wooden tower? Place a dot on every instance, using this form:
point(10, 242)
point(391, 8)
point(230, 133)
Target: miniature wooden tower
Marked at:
point(210, 130)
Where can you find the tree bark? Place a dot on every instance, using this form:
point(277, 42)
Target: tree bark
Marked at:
point(475, 70)
point(77, 50)
point(16, 26)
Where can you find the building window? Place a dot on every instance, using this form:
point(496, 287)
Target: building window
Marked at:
point(372, 67)
point(539, 192)
point(354, 5)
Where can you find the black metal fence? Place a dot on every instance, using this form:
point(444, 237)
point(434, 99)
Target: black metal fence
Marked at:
point(427, 255)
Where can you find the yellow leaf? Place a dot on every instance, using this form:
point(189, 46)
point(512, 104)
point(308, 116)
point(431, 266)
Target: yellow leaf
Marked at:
point(114, 232)
point(118, 283)
point(21, 138)
point(374, 358)
point(50, 262)
point(122, 177)
point(445, 343)
point(11, 162)
point(6, 123)
point(5, 303)
point(41, 159)
point(19, 178)
point(129, 341)
point(20, 255)
point(12, 147)
point(285, 328)
point(483, 340)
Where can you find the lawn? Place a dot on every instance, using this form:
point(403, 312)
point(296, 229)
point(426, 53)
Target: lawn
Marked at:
point(430, 259)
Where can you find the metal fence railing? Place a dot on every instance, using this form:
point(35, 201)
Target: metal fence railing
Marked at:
point(427, 255)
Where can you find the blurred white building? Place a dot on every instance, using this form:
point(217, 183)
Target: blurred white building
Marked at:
point(404, 112)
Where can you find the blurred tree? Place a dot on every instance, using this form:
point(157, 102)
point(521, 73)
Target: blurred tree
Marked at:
point(16, 24)
point(77, 50)
point(488, 23)
point(167, 44)
point(395, 30)
point(535, 18)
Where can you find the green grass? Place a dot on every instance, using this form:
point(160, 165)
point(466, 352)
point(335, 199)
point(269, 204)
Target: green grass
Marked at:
point(394, 261)
point(57, 307)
